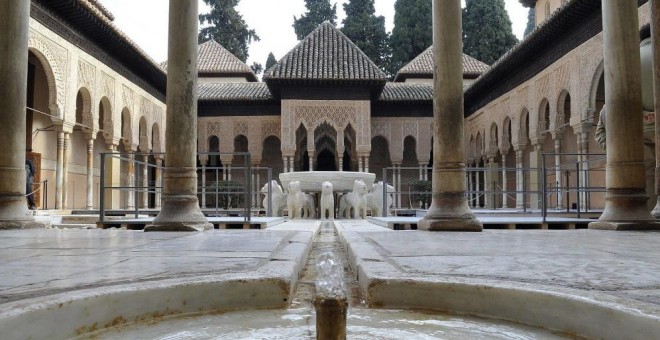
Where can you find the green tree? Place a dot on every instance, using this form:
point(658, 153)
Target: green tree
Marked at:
point(367, 30)
point(270, 61)
point(227, 27)
point(318, 11)
point(531, 21)
point(256, 68)
point(412, 33)
point(487, 31)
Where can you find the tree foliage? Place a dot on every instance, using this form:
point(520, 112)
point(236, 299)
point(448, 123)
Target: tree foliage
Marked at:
point(318, 11)
point(256, 68)
point(270, 61)
point(227, 27)
point(412, 33)
point(487, 31)
point(367, 30)
point(531, 21)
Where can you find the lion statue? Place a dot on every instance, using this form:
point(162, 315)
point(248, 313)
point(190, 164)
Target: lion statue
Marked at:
point(375, 199)
point(299, 204)
point(354, 204)
point(327, 204)
point(278, 198)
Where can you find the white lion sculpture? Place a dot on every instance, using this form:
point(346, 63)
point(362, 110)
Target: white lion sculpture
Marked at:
point(278, 198)
point(327, 204)
point(354, 204)
point(375, 199)
point(299, 204)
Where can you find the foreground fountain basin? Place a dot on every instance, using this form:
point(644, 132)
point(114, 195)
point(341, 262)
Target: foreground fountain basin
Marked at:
point(342, 181)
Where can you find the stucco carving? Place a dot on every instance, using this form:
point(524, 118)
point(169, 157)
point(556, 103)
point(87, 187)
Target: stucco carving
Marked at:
point(54, 59)
point(86, 75)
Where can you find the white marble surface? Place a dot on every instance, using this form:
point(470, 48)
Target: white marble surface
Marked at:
point(603, 274)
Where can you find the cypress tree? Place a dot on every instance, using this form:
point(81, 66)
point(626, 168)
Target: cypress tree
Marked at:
point(412, 33)
point(318, 11)
point(531, 21)
point(487, 31)
point(367, 30)
point(227, 27)
point(270, 61)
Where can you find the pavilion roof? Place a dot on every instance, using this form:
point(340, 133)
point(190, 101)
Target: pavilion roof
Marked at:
point(326, 55)
point(422, 67)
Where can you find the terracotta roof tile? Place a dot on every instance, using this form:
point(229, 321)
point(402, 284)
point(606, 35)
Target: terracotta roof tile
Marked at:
point(234, 92)
point(325, 54)
point(406, 92)
point(213, 58)
point(423, 65)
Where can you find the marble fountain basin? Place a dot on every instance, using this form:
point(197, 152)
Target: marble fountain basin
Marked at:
point(342, 181)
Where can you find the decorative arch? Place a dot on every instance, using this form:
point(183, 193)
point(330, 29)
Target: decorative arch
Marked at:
point(595, 82)
point(505, 139)
point(126, 125)
point(54, 75)
point(563, 110)
point(543, 118)
point(84, 116)
point(156, 145)
point(143, 134)
point(493, 138)
point(105, 116)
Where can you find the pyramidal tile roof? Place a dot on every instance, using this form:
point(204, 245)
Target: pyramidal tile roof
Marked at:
point(212, 58)
point(393, 92)
point(423, 65)
point(234, 92)
point(326, 54)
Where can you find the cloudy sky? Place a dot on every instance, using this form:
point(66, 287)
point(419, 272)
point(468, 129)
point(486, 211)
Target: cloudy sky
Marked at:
point(145, 22)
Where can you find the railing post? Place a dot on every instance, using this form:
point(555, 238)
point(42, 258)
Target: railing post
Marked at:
point(102, 189)
point(136, 193)
point(543, 188)
point(248, 186)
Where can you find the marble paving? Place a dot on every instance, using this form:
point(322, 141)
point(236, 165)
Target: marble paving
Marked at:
point(41, 262)
point(623, 264)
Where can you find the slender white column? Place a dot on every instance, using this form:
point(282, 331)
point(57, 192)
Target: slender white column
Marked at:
point(625, 200)
point(14, 18)
point(504, 193)
point(520, 179)
point(398, 186)
point(65, 171)
point(181, 210)
point(311, 160)
point(203, 186)
point(558, 174)
point(341, 163)
point(286, 164)
point(477, 194)
point(90, 174)
point(158, 178)
point(145, 182)
point(130, 181)
point(366, 164)
point(59, 177)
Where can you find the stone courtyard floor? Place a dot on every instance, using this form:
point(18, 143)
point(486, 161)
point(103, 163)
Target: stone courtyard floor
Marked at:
point(393, 268)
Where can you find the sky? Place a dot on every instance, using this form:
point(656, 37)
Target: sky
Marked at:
point(145, 22)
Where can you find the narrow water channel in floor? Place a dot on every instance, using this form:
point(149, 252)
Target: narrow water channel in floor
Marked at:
point(298, 321)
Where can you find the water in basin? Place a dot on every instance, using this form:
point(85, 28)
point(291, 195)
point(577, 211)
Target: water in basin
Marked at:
point(300, 323)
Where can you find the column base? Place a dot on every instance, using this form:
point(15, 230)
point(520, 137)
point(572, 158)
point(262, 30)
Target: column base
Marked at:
point(14, 214)
point(656, 211)
point(623, 226)
point(180, 213)
point(450, 212)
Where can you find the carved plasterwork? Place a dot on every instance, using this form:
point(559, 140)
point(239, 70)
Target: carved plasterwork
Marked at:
point(107, 86)
point(54, 59)
point(241, 128)
point(86, 74)
point(270, 128)
point(410, 129)
point(381, 128)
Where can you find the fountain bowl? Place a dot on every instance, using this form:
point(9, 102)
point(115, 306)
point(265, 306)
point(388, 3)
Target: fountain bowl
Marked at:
point(342, 181)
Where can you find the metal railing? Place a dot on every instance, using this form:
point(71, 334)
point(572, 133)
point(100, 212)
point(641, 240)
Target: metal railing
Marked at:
point(236, 191)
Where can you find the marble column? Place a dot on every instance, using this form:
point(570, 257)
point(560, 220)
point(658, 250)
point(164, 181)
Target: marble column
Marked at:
point(311, 159)
point(655, 35)
point(625, 200)
point(112, 177)
point(145, 181)
point(520, 179)
point(477, 191)
point(90, 174)
point(449, 209)
point(504, 193)
point(59, 175)
point(285, 161)
point(534, 186)
point(181, 210)
point(130, 180)
point(65, 171)
point(398, 185)
point(158, 179)
point(366, 164)
point(558, 174)
point(203, 185)
point(14, 19)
